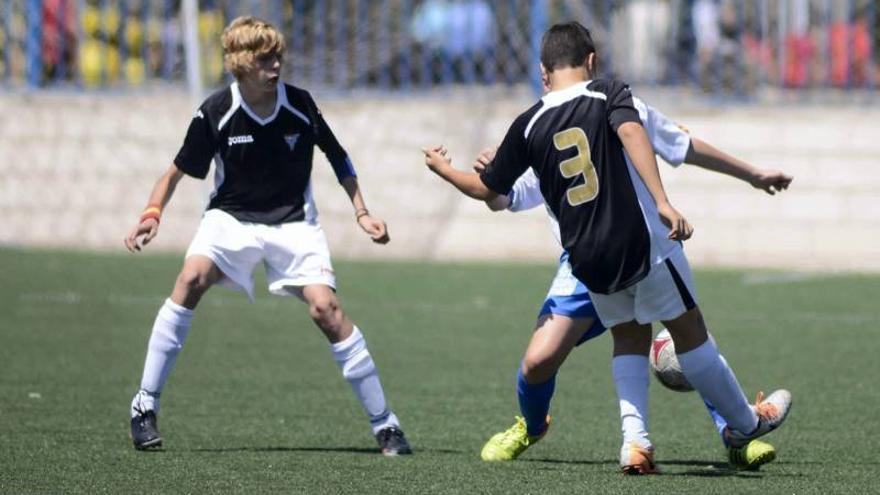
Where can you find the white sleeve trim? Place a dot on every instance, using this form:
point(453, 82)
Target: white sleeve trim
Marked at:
point(667, 138)
point(525, 193)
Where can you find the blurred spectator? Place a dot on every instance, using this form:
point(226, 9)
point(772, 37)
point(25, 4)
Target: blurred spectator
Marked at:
point(707, 31)
point(4, 50)
point(849, 50)
point(59, 39)
point(730, 49)
point(641, 37)
point(758, 45)
point(684, 50)
point(460, 33)
point(799, 46)
point(454, 27)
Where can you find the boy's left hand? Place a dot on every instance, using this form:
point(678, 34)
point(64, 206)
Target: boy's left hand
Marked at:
point(484, 159)
point(375, 227)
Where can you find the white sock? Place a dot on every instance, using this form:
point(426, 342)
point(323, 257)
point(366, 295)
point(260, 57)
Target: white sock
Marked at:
point(353, 358)
point(630, 373)
point(169, 333)
point(708, 372)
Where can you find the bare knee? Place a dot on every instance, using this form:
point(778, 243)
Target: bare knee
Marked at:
point(688, 331)
point(326, 313)
point(538, 367)
point(191, 285)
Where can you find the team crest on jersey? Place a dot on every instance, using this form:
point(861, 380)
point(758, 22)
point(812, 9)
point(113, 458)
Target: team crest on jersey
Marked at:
point(291, 140)
point(246, 138)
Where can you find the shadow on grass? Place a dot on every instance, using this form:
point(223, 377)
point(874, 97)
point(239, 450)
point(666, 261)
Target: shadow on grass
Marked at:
point(570, 461)
point(350, 450)
point(704, 469)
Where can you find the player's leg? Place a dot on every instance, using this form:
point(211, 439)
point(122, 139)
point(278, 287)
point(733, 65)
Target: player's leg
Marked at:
point(629, 368)
point(222, 251)
point(566, 319)
point(702, 363)
point(551, 342)
point(168, 335)
point(298, 263)
point(350, 352)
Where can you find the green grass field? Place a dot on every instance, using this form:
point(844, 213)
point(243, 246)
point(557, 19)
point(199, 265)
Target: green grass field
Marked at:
point(256, 403)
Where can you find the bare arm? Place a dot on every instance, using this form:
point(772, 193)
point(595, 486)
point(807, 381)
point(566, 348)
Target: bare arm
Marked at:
point(148, 225)
point(704, 155)
point(468, 183)
point(500, 203)
point(375, 227)
point(640, 152)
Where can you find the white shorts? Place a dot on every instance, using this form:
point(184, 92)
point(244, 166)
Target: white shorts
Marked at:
point(295, 254)
point(665, 293)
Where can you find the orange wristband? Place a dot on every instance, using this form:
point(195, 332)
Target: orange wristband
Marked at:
point(151, 212)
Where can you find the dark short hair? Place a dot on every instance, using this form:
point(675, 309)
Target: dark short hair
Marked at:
point(566, 45)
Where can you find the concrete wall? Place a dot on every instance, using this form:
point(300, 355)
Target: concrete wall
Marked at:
point(75, 170)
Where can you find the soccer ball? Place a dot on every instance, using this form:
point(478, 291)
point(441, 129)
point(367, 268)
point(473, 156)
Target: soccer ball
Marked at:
point(665, 365)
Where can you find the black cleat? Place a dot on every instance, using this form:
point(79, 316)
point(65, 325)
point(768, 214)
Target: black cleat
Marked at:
point(392, 442)
point(145, 431)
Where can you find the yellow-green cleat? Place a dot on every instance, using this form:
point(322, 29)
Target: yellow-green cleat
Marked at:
point(751, 456)
point(508, 445)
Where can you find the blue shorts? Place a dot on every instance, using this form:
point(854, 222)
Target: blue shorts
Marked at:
point(568, 297)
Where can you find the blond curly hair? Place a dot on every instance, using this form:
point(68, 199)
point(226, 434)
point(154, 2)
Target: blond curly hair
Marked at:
point(245, 39)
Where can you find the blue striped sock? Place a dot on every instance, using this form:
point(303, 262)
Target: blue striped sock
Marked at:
point(534, 402)
point(720, 423)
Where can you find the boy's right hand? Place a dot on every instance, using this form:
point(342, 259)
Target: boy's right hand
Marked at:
point(679, 228)
point(436, 159)
point(770, 181)
point(148, 229)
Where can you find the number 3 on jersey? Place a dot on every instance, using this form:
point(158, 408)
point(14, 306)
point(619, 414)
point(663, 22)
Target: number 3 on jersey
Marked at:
point(580, 164)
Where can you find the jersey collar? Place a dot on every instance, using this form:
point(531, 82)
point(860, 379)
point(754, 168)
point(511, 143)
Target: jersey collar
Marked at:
point(565, 94)
point(279, 88)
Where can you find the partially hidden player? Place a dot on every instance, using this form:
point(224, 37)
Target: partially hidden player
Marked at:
point(621, 232)
point(261, 134)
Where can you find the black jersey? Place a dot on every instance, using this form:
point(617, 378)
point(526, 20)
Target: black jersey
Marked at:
point(569, 139)
point(263, 166)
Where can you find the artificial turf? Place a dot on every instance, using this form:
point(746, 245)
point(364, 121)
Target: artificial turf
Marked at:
point(256, 403)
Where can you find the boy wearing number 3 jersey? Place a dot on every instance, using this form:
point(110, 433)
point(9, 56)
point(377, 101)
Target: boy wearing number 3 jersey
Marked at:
point(622, 234)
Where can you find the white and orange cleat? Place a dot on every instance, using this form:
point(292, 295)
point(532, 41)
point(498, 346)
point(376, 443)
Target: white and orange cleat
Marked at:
point(771, 412)
point(636, 459)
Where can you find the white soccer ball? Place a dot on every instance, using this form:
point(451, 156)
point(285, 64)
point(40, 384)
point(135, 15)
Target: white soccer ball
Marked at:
point(665, 365)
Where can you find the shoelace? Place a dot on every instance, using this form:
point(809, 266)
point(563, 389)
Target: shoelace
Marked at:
point(515, 434)
point(765, 410)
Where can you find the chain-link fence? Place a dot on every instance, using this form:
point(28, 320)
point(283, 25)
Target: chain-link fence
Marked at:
point(719, 46)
